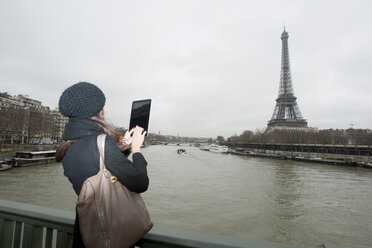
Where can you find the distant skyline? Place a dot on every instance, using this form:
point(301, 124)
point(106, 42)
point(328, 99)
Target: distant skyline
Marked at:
point(210, 67)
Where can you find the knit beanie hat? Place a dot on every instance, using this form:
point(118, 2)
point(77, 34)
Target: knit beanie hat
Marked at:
point(81, 100)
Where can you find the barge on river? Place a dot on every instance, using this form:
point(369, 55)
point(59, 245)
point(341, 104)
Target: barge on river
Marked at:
point(5, 165)
point(26, 158)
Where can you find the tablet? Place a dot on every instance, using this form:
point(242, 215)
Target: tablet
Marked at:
point(140, 114)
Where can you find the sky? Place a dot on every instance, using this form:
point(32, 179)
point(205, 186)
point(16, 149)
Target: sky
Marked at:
point(211, 67)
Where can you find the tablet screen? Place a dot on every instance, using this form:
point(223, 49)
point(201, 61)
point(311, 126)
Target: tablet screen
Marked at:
point(140, 114)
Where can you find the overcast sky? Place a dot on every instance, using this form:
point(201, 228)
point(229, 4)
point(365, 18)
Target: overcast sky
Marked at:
point(211, 67)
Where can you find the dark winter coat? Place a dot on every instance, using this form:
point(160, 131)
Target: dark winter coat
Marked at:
point(82, 158)
point(82, 161)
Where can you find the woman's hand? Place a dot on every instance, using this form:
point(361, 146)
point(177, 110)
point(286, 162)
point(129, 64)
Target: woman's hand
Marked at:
point(127, 139)
point(137, 138)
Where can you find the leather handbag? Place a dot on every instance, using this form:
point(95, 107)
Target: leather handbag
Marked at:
point(110, 215)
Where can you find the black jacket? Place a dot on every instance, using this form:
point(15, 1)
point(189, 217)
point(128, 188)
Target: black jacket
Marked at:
point(82, 161)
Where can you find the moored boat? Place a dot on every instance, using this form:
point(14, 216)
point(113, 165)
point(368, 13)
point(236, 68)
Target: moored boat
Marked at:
point(238, 152)
point(265, 155)
point(367, 165)
point(324, 161)
point(26, 158)
point(5, 165)
point(218, 148)
point(204, 148)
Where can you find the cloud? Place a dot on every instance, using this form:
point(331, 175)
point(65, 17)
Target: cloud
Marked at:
point(211, 67)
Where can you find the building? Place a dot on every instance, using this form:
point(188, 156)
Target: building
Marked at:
point(29, 103)
point(60, 122)
point(25, 120)
point(12, 115)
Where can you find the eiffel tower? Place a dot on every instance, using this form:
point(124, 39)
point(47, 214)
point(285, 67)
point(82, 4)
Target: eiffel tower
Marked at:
point(286, 114)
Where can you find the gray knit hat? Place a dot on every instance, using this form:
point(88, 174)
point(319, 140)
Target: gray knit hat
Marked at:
point(81, 100)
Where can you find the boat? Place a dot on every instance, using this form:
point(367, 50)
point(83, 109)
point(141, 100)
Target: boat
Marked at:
point(5, 165)
point(218, 148)
point(323, 161)
point(26, 158)
point(252, 154)
point(367, 165)
point(265, 155)
point(204, 148)
point(181, 151)
point(238, 152)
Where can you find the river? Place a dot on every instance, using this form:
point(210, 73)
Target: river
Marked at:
point(254, 198)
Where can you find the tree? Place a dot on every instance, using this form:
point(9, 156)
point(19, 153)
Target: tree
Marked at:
point(246, 136)
point(220, 139)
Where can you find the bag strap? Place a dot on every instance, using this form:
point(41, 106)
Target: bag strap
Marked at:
point(101, 148)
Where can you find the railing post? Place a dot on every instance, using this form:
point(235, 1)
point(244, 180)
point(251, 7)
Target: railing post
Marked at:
point(17, 234)
point(6, 233)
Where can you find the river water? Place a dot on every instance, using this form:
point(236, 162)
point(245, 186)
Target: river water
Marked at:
point(254, 198)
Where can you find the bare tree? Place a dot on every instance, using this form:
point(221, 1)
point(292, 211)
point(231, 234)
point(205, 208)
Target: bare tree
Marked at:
point(305, 136)
point(220, 139)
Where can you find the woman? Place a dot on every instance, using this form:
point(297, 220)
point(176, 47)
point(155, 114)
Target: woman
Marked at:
point(84, 104)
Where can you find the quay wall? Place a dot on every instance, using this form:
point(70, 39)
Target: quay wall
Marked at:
point(357, 153)
point(31, 147)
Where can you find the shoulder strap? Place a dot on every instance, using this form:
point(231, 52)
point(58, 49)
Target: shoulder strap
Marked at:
point(101, 148)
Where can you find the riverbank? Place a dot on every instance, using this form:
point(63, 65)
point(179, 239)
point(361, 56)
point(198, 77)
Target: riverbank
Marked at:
point(354, 153)
point(335, 159)
point(11, 148)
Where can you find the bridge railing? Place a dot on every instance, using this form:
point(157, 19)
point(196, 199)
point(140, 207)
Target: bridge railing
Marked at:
point(25, 225)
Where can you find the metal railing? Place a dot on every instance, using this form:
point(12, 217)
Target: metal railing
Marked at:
point(25, 225)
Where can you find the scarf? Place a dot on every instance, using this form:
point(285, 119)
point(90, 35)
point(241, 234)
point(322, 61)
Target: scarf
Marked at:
point(77, 128)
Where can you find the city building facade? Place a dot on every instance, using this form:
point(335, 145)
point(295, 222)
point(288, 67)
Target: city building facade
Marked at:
point(27, 121)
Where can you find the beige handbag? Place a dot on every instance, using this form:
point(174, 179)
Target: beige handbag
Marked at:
point(109, 214)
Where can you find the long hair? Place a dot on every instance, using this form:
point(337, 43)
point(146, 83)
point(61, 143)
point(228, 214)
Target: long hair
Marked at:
point(107, 129)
